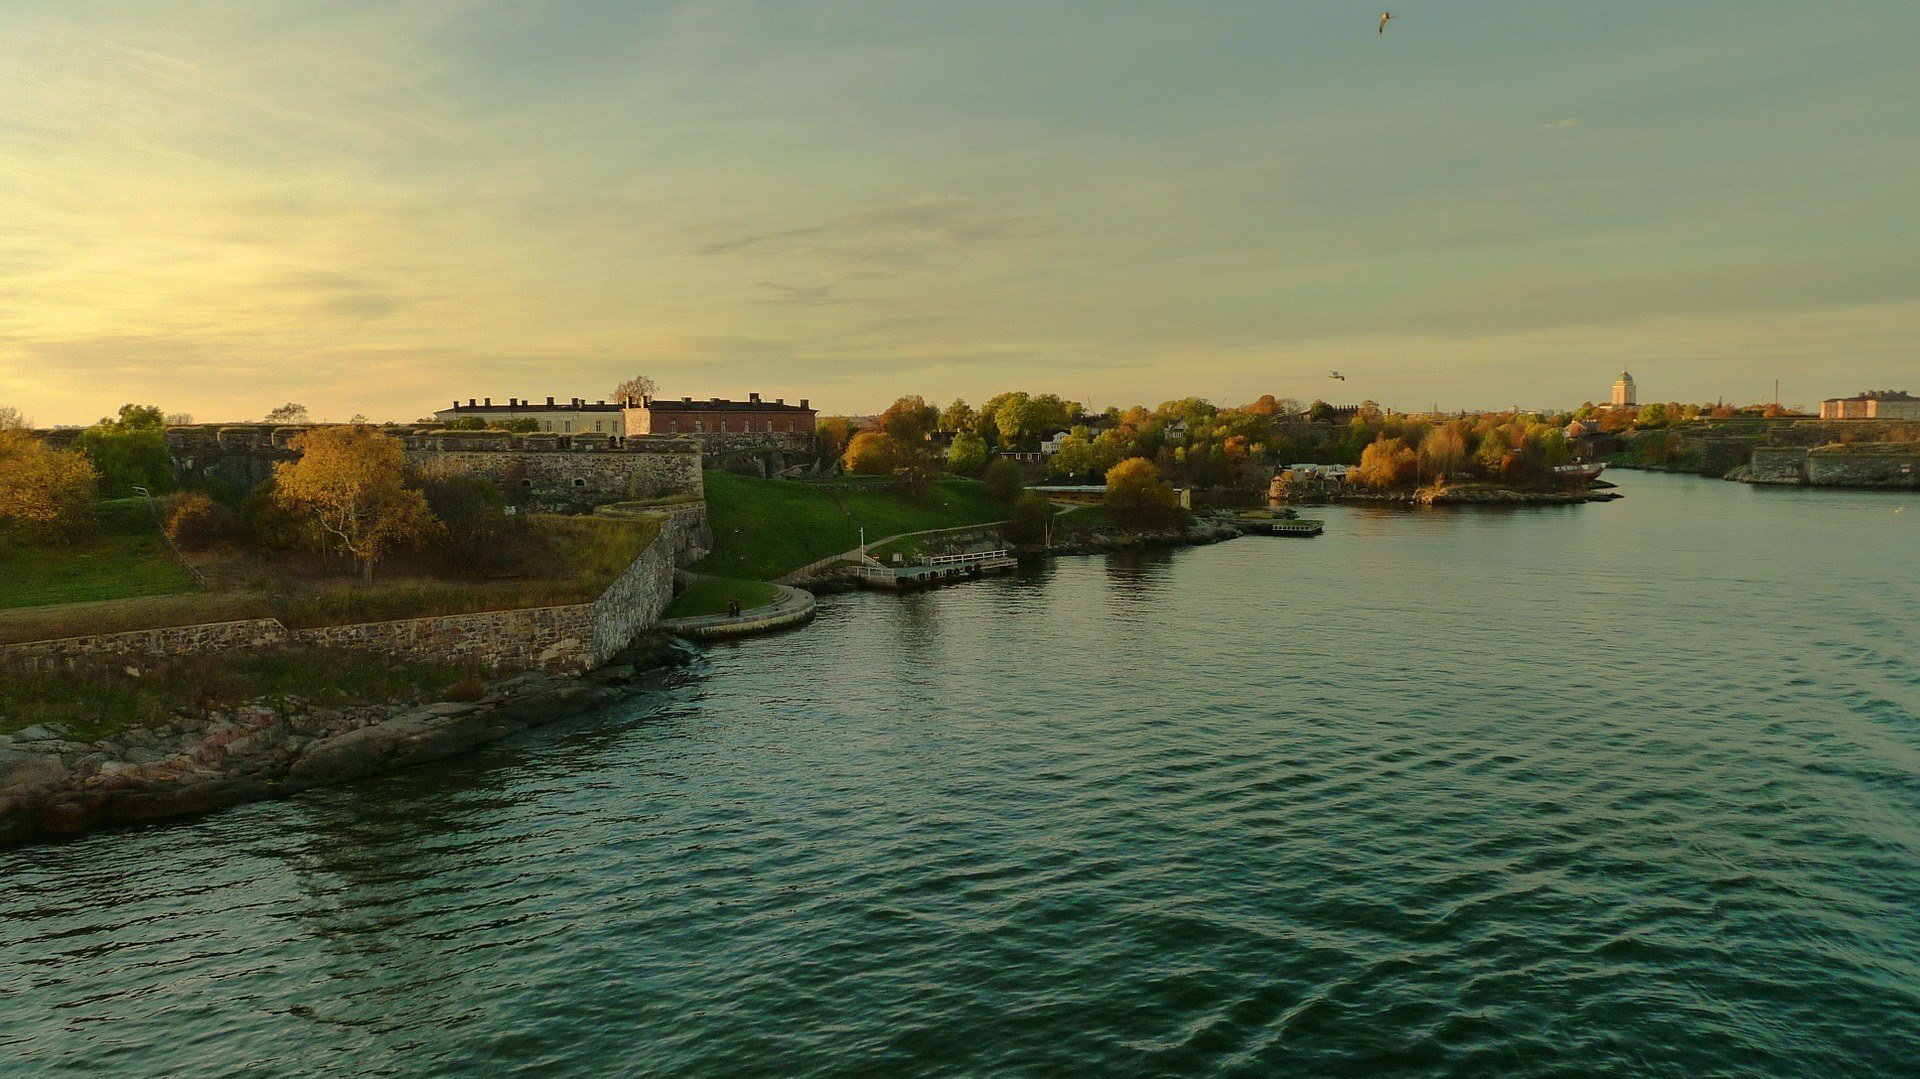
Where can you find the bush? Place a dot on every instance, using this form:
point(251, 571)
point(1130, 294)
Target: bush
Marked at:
point(1029, 519)
point(42, 488)
point(1138, 498)
point(197, 522)
point(481, 540)
point(968, 454)
point(1003, 480)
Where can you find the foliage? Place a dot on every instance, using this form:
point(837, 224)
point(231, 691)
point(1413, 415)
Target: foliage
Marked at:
point(832, 433)
point(636, 388)
point(1385, 464)
point(351, 483)
point(909, 420)
point(129, 450)
point(873, 453)
point(467, 423)
point(968, 454)
point(1028, 522)
point(288, 413)
point(1073, 458)
point(525, 425)
point(1003, 481)
point(12, 420)
point(196, 522)
point(957, 417)
point(480, 539)
point(42, 488)
point(1137, 497)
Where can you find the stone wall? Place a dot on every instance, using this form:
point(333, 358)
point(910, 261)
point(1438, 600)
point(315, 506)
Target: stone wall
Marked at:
point(171, 640)
point(564, 639)
point(1778, 464)
point(1893, 465)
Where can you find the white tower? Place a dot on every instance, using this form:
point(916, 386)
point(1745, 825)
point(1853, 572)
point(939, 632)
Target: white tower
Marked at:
point(1623, 395)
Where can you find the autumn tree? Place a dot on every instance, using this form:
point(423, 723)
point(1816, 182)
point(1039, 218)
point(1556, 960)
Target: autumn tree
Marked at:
point(832, 434)
point(41, 487)
point(909, 420)
point(12, 420)
point(637, 388)
point(350, 482)
point(873, 453)
point(288, 413)
point(1137, 497)
point(1442, 451)
point(1386, 463)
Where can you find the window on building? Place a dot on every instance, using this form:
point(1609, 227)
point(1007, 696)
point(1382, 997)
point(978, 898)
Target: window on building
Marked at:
point(549, 425)
point(567, 425)
point(596, 425)
point(699, 425)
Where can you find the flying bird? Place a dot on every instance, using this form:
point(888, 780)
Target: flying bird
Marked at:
point(1385, 16)
point(1336, 374)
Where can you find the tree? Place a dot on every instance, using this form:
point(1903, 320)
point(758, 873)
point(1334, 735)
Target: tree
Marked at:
point(1003, 480)
point(1443, 451)
point(179, 419)
point(909, 420)
point(1386, 463)
point(1137, 497)
point(288, 413)
point(12, 420)
point(832, 433)
point(467, 423)
point(968, 454)
point(637, 388)
point(350, 482)
point(1073, 458)
point(1027, 523)
point(1652, 415)
point(41, 487)
point(957, 417)
point(873, 453)
point(130, 450)
point(1319, 412)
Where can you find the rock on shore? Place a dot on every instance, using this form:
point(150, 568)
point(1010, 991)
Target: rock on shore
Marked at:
point(52, 788)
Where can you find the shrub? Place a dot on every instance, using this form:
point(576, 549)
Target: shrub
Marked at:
point(41, 487)
point(1138, 498)
point(469, 688)
point(968, 454)
point(1003, 480)
point(1028, 523)
point(197, 522)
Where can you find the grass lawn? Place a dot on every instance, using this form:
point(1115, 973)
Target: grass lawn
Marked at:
point(709, 595)
point(98, 701)
point(122, 557)
point(764, 528)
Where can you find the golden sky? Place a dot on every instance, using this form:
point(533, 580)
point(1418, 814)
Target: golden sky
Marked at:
point(378, 208)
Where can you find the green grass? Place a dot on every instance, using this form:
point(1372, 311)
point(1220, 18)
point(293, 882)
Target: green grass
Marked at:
point(709, 595)
point(120, 557)
point(764, 528)
point(99, 701)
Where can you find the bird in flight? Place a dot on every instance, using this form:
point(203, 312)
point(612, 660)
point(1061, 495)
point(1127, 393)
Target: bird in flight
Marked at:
point(1384, 17)
point(1336, 374)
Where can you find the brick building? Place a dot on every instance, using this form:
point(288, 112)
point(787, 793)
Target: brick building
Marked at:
point(718, 423)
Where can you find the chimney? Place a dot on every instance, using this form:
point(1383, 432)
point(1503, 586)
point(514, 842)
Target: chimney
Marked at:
point(549, 402)
point(779, 400)
point(803, 402)
point(686, 400)
point(489, 402)
point(471, 403)
point(719, 400)
point(754, 398)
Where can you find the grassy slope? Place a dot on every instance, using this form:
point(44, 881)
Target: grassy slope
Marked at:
point(709, 595)
point(764, 528)
point(123, 557)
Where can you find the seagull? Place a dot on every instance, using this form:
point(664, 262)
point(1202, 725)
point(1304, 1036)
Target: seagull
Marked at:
point(1336, 374)
point(1384, 16)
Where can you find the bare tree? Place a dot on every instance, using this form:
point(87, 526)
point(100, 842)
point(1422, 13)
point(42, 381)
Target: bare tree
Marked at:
point(179, 419)
point(288, 413)
point(12, 420)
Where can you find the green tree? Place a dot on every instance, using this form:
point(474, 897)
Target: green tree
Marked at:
point(1003, 481)
point(957, 417)
point(1073, 458)
point(968, 454)
point(1027, 523)
point(130, 450)
point(1653, 415)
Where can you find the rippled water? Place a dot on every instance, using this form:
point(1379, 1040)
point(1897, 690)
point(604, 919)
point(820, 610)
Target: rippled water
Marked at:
point(1631, 787)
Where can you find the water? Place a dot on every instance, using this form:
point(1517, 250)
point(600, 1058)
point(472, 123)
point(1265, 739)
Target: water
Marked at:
point(1619, 788)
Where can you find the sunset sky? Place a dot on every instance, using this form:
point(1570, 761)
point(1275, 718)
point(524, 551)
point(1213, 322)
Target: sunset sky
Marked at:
point(379, 207)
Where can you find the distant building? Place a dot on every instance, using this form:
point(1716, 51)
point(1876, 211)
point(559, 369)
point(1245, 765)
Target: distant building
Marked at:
point(1624, 395)
point(573, 417)
point(717, 421)
point(1052, 445)
point(1177, 431)
point(1872, 405)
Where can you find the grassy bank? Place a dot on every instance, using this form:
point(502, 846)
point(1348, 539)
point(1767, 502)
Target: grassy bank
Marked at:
point(122, 557)
point(96, 702)
point(710, 595)
point(764, 528)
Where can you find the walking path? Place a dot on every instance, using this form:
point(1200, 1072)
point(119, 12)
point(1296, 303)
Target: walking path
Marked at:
point(790, 608)
point(858, 553)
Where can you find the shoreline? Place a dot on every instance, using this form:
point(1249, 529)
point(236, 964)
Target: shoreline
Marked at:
point(53, 790)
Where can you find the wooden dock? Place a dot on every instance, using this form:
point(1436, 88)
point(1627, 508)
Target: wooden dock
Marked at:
point(936, 569)
point(1282, 526)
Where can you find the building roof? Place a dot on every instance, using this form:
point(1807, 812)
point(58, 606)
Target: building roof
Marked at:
point(721, 404)
point(515, 404)
point(1878, 395)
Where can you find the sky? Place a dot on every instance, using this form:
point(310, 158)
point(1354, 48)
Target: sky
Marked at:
point(378, 208)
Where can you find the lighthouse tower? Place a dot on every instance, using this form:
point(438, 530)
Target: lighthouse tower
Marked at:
point(1623, 395)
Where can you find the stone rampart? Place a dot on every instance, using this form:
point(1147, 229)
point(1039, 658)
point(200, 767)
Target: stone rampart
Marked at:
point(1888, 464)
point(170, 640)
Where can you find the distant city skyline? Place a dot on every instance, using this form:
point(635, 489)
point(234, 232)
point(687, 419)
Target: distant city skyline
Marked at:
point(378, 209)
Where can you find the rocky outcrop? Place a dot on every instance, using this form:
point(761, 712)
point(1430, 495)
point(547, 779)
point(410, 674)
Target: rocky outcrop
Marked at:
point(52, 788)
point(1202, 531)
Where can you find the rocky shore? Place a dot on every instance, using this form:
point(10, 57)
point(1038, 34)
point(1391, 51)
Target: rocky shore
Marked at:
point(1464, 495)
point(1202, 531)
point(51, 788)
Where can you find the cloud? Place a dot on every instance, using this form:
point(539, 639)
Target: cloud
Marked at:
point(892, 234)
point(1559, 125)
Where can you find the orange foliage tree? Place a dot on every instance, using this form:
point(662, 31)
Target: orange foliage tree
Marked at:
point(350, 482)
